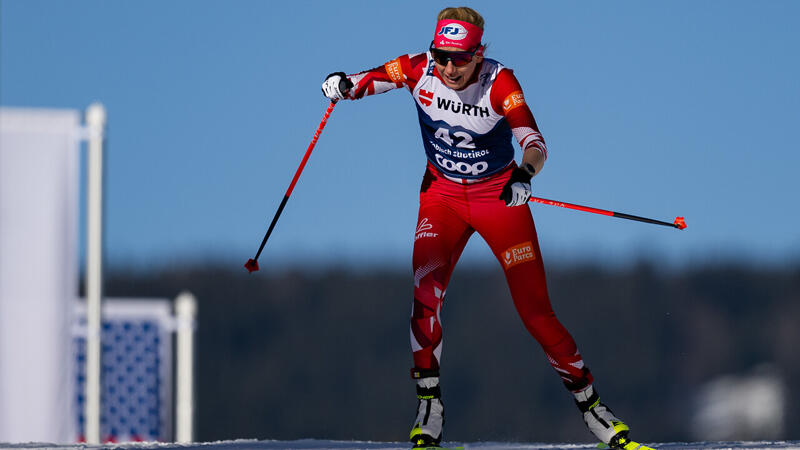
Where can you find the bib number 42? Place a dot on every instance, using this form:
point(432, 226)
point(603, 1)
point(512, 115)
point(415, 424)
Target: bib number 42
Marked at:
point(465, 140)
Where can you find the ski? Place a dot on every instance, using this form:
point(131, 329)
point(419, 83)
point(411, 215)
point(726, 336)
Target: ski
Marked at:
point(437, 448)
point(626, 444)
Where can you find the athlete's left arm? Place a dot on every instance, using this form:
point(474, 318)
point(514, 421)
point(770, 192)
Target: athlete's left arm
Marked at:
point(507, 99)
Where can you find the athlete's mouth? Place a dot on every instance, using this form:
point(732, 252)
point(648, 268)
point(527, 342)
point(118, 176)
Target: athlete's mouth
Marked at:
point(452, 79)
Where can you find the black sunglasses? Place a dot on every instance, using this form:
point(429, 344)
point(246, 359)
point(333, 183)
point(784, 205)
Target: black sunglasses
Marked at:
point(458, 58)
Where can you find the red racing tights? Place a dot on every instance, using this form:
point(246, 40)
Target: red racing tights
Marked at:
point(448, 215)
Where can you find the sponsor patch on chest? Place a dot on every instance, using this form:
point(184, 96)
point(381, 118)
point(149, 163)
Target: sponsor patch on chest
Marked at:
point(462, 108)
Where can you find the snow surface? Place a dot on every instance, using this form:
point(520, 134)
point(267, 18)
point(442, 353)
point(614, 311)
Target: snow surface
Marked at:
point(318, 444)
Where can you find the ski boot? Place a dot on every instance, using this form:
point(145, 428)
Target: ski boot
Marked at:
point(427, 430)
point(602, 422)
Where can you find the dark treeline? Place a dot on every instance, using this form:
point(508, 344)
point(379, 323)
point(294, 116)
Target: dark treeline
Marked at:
point(326, 354)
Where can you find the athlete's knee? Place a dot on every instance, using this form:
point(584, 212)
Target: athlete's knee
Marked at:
point(428, 291)
point(422, 309)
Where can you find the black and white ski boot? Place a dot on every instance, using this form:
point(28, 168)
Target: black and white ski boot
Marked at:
point(602, 423)
point(427, 430)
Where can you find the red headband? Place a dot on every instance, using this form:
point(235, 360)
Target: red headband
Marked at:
point(456, 33)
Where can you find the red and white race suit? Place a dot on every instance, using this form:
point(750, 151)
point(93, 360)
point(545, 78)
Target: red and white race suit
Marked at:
point(467, 139)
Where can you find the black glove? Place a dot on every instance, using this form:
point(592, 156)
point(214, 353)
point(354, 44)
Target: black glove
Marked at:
point(517, 190)
point(336, 85)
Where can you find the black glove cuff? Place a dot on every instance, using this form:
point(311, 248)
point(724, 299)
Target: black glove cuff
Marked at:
point(519, 174)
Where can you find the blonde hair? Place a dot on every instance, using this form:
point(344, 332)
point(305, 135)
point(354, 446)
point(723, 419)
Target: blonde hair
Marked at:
point(462, 13)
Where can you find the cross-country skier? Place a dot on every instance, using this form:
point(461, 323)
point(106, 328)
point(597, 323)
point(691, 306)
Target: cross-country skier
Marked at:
point(469, 109)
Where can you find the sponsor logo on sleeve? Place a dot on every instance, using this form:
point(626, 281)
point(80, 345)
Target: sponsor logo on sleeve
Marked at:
point(512, 101)
point(518, 254)
point(395, 71)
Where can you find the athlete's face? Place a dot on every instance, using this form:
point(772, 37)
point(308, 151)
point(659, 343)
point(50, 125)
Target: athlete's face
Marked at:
point(457, 77)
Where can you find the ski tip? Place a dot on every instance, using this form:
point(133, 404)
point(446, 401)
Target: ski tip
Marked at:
point(438, 448)
point(435, 447)
point(251, 265)
point(679, 223)
point(626, 444)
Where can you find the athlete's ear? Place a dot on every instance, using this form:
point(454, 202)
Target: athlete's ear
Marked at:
point(479, 54)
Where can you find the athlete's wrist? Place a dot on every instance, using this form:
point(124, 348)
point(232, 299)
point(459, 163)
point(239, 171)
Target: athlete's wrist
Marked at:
point(534, 156)
point(522, 174)
point(529, 169)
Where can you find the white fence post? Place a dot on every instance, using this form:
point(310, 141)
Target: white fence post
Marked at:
point(96, 122)
point(185, 312)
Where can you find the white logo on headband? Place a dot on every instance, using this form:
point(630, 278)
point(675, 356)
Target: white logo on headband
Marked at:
point(453, 31)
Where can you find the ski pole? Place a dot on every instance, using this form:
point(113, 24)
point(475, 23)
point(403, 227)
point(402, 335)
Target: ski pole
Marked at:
point(678, 223)
point(252, 264)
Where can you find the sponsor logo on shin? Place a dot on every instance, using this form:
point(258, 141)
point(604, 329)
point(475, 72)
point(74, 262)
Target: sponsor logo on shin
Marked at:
point(518, 254)
point(461, 166)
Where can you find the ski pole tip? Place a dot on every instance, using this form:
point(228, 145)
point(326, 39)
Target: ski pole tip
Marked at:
point(679, 223)
point(251, 265)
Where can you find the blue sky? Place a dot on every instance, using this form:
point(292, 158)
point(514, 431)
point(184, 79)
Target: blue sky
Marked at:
point(657, 109)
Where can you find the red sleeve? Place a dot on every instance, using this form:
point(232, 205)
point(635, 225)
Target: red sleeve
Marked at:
point(414, 68)
point(508, 100)
point(403, 71)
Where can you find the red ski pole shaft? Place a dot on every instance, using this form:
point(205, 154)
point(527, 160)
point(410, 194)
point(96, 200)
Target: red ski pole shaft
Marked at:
point(252, 264)
point(679, 222)
point(310, 147)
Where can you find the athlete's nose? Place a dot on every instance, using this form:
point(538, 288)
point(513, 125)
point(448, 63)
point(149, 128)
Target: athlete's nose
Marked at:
point(450, 68)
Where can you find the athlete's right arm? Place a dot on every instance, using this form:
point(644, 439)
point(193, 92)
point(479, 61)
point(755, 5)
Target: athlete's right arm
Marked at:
point(403, 71)
point(507, 99)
